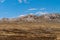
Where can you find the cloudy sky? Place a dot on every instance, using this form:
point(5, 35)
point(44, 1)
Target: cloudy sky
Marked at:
point(14, 8)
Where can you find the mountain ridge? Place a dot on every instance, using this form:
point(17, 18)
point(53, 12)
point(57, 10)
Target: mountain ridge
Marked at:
point(34, 18)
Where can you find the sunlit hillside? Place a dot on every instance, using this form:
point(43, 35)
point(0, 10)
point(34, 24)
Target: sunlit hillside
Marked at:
point(31, 27)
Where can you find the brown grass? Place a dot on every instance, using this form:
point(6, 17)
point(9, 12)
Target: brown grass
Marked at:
point(29, 31)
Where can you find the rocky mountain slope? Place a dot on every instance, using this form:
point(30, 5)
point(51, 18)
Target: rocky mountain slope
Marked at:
point(31, 27)
point(34, 18)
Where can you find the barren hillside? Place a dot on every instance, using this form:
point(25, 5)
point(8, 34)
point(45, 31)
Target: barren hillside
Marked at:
point(31, 27)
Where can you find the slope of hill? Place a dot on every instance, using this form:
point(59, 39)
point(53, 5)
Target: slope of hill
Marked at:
point(31, 27)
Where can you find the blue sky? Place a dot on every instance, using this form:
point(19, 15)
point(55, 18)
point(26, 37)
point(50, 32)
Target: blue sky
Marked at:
point(15, 8)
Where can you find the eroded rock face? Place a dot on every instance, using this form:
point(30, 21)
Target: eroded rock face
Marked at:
point(53, 16)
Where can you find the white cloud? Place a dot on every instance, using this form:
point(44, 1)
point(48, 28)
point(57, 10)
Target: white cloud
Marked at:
point(2, 1)
point(41, 13)
point(42, 8)
point(21, 15)
point(32, 9)
point(21, 1)
point(25, 1)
